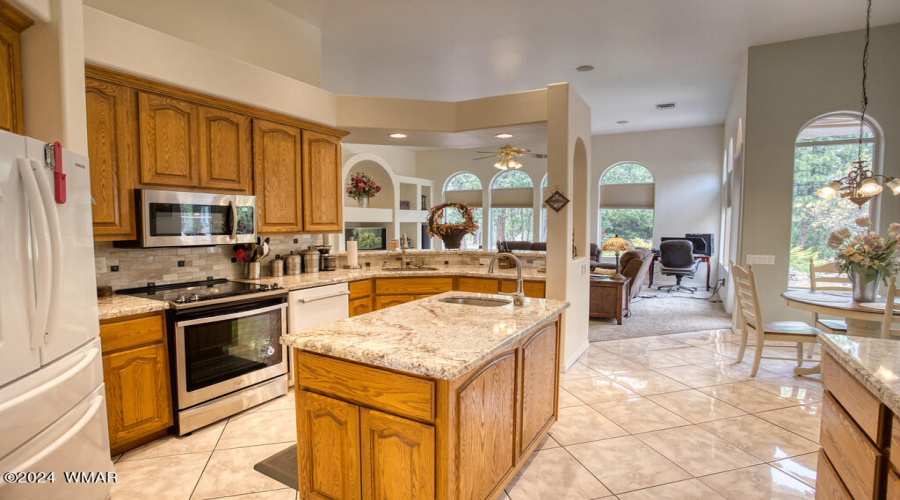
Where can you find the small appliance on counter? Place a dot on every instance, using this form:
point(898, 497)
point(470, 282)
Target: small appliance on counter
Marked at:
point(326, 262)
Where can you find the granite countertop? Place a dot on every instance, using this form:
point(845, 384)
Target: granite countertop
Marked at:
point(874, 362)
point(299, 281)
point(118, 306)
point(428, 337)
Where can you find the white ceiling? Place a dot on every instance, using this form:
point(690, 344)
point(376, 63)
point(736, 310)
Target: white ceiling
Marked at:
point(645, 51)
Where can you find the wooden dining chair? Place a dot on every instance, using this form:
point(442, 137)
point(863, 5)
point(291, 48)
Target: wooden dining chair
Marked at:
point(817, 282)
point(887, 324)
point(747, 301)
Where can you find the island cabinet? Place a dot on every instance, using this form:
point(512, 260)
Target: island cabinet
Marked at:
point(856, 436)
point(381, 293)
point(136, 373)
point(368, 432)
point(361, 297)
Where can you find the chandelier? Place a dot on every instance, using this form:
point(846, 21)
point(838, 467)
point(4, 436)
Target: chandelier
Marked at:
point(861, 184)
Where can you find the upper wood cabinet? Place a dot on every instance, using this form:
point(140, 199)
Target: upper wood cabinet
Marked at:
point(322, 184)
point(277, 177)
point(111, 127)
point(225, 150)
point(12, 22)
point(169, 138)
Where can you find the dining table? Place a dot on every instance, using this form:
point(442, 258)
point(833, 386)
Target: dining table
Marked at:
point(863, 319)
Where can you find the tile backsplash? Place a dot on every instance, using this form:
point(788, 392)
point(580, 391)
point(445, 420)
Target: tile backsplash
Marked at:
point(138, 266)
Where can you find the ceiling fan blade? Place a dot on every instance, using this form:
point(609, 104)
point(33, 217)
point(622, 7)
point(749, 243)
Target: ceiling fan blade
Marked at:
point(483, 157)
point(534, 155)
point(487, 152)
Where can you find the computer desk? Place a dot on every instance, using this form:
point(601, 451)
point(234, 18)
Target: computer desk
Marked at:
point(701, 258)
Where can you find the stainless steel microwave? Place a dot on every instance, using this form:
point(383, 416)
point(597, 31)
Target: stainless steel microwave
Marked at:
point(179, 218)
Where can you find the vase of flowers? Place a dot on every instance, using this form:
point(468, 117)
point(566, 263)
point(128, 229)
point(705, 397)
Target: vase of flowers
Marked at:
point(361, 187)
point(452, 234)
point(866, 257)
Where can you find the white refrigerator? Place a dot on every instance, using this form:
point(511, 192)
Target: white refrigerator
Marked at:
point(52, 397)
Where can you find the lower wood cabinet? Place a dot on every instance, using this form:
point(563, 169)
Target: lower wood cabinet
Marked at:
point(360, 306)
point(371, 433)
point(385, 301)
point(136, 373)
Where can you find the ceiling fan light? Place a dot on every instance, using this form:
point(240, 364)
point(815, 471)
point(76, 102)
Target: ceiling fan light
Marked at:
point(501, 165)
point(830, 191)
point(513, 164)
point(894, 184)
point(869, 187)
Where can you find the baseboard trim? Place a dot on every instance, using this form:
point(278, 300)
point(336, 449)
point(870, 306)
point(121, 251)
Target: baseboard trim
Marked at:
point(581, 350)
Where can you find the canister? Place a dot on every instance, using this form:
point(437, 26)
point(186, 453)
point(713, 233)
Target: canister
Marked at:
point(310, 260)
point(292, 264)
point(276, 267)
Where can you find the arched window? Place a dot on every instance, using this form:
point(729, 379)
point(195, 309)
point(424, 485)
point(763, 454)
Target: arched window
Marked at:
point(626, 204)
point(824, 151)
point(544, 196)
point(512, 212)
point(465, 187)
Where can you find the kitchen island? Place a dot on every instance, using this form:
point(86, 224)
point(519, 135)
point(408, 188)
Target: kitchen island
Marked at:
point(427, 399)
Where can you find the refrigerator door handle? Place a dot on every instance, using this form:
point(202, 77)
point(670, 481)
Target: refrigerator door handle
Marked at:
point(96, 404)
point(56, 248)
point(41, 235)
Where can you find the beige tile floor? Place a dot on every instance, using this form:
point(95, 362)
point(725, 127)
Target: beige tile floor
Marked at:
point(669, 417)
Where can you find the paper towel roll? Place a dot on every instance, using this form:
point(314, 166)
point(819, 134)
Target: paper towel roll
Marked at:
point(352, 253)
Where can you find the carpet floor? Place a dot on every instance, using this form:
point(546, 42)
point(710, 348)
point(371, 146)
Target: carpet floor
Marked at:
point(661, 314)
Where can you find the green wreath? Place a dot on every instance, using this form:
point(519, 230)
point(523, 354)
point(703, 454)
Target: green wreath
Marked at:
point(440, 229)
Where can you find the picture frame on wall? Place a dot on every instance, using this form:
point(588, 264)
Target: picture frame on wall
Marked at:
point(404, 205)
point(424, 202)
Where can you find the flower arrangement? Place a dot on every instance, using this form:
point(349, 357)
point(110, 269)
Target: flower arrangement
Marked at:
point(866, 252)
point(361, 186)
point(440, 229)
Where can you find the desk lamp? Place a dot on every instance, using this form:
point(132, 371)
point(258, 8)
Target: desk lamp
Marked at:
point(617, 245)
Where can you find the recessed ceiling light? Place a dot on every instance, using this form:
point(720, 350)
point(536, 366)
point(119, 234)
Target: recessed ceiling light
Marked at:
point(665, 106)
point(503, 136)
point(398, 136)
point(622, 122)
point(585, 67)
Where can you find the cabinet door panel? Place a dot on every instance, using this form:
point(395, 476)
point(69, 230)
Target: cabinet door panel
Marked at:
point(225, 156)
point(137, 393)
point(385, 301)
point(168, 141)
point(486, 428)
point(397, 457)
point(328, 432)
point(322, 184)
point(478, 285)
point(539, 384)
point(11, 112)
point(360, 306)
point(112, 127)
point(276, 177)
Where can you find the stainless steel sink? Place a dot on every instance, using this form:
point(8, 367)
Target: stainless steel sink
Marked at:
point(403, 269)
point(475, 301)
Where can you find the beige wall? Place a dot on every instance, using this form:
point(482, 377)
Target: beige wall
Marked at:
point(255, 31)
point(119, 44)
point(789, 84)
point(686, 165)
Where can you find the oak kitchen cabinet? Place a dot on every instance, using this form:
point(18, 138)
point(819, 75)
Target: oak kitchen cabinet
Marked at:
point(112, 149)
point(136, 373)
point(12, 23)
point(150, 135)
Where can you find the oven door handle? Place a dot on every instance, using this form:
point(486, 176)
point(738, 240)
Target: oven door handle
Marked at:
point(216, 317)
point(323, 297)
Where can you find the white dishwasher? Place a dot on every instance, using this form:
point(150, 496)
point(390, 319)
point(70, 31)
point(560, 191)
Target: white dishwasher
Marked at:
point(312, 307)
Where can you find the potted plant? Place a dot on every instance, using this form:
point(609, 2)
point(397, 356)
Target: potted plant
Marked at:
point(866, 257)
point(452, 234)
point(361, 187)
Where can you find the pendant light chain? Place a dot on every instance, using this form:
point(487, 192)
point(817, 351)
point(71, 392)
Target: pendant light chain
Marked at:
point(864, 101)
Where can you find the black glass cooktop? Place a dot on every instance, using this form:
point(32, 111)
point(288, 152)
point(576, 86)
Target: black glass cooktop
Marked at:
point(197, 291)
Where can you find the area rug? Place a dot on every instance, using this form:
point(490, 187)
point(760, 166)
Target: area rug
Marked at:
point(282, 467)
point(661, 314)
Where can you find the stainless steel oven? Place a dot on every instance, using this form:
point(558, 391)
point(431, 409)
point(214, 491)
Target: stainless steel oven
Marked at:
point(180, 218)
point(228, 357)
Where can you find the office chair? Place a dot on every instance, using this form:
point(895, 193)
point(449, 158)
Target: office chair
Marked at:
point(676, 258)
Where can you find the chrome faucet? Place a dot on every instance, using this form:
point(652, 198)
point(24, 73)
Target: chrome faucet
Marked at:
point(519, 295)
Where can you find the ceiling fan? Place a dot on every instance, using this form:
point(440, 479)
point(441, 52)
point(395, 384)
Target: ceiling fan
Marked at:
point(507, 157)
